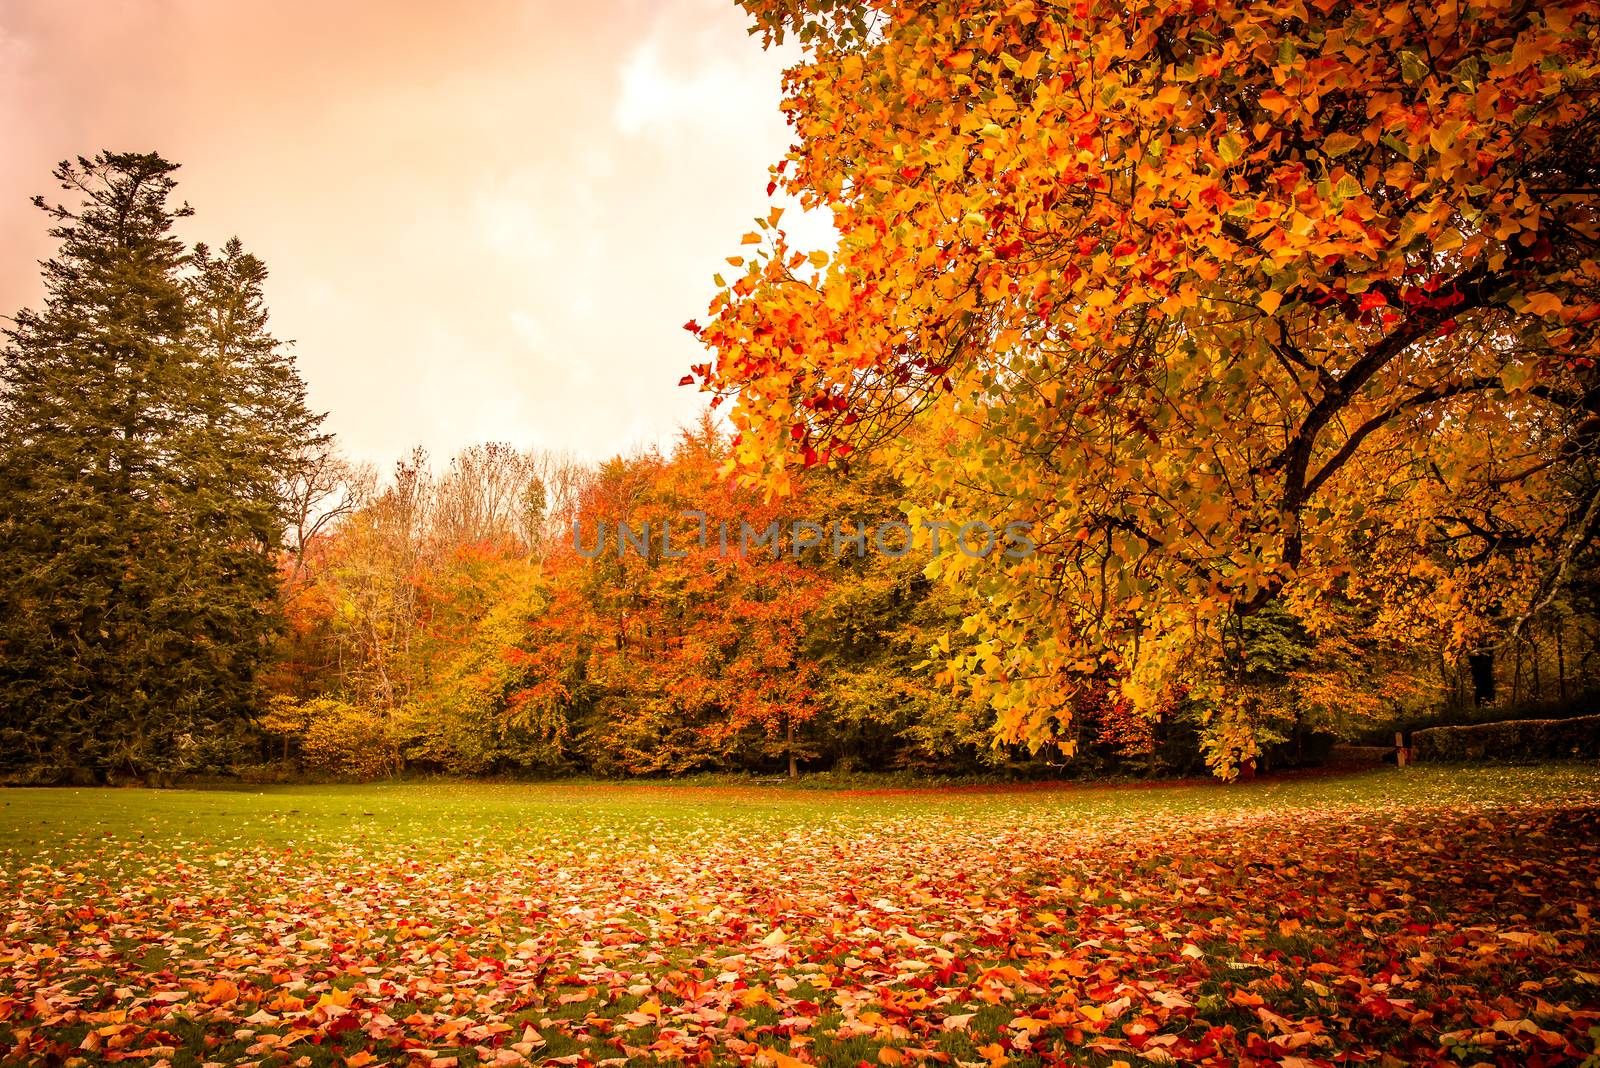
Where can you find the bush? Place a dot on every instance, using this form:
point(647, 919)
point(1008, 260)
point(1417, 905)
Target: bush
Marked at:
point(349, 740)
point(1522, 739)
point(1302, 749)
point(1382, 731)
point(270, 773)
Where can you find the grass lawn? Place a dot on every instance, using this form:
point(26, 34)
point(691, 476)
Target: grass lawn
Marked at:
point(1395, 917)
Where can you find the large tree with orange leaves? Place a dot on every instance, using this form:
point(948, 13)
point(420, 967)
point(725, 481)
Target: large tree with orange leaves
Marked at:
point(1239, 303)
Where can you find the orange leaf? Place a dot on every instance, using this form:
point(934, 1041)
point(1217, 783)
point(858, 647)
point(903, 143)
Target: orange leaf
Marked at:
point(222, 991)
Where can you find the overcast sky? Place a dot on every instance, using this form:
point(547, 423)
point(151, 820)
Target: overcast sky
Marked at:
point(484, 220)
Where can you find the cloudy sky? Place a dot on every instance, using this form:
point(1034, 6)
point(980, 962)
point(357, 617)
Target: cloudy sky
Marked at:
point(484, 221)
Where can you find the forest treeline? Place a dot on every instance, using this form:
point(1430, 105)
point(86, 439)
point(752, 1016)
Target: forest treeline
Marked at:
point(462, 621)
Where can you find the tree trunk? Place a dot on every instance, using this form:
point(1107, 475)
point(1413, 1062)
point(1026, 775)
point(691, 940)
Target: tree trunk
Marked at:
point(788, 744)
point(1561, 664)
point(1482, 668)
point(1516, 675)
point(1535, 652)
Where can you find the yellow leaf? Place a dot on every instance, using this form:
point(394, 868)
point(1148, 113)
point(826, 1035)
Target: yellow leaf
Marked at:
point(1270, 300)
point(1340, 143)
point(1445, 138)
point(818, 259)
point(752, 238)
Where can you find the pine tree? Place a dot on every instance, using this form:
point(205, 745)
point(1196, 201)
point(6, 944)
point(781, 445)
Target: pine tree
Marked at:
point(145, 424)
point(248, 430)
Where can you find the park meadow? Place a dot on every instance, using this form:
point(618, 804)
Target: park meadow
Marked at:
point(1431, 915)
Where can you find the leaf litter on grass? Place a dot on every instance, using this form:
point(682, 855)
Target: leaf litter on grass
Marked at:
point(1304, 932)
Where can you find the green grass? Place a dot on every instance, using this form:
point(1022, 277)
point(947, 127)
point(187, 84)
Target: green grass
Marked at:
point(64, 822)
point(655, 892)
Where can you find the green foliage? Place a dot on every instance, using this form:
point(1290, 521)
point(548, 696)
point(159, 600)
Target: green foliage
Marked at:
point(1289, 690)
point(883, 707)
point(1273, 644)
point(145, 423)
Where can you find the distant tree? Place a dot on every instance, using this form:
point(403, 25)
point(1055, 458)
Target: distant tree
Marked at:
point(324, 488)
point(147, 430)
point(491, 495)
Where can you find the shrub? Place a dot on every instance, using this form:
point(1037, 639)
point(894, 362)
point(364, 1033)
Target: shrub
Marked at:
point(1522, 739)
point(349, 740)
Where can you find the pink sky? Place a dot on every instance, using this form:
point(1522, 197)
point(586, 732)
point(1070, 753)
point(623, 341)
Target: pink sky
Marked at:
point(484, 221)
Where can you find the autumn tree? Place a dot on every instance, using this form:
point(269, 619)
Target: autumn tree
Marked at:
point(492, 494)
point(324, 488)
point(699, 660)
point(147, 427)
point(1240, 304)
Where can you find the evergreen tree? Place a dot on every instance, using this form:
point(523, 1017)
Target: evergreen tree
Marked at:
point(247, 431)
point(146, 420)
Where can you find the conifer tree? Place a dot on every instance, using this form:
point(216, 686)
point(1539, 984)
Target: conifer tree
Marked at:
point(146, 419)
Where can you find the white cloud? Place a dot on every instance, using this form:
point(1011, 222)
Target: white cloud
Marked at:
point(712, 92)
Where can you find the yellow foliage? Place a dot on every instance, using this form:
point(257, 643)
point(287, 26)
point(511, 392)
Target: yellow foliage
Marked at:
point(1234, 302)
